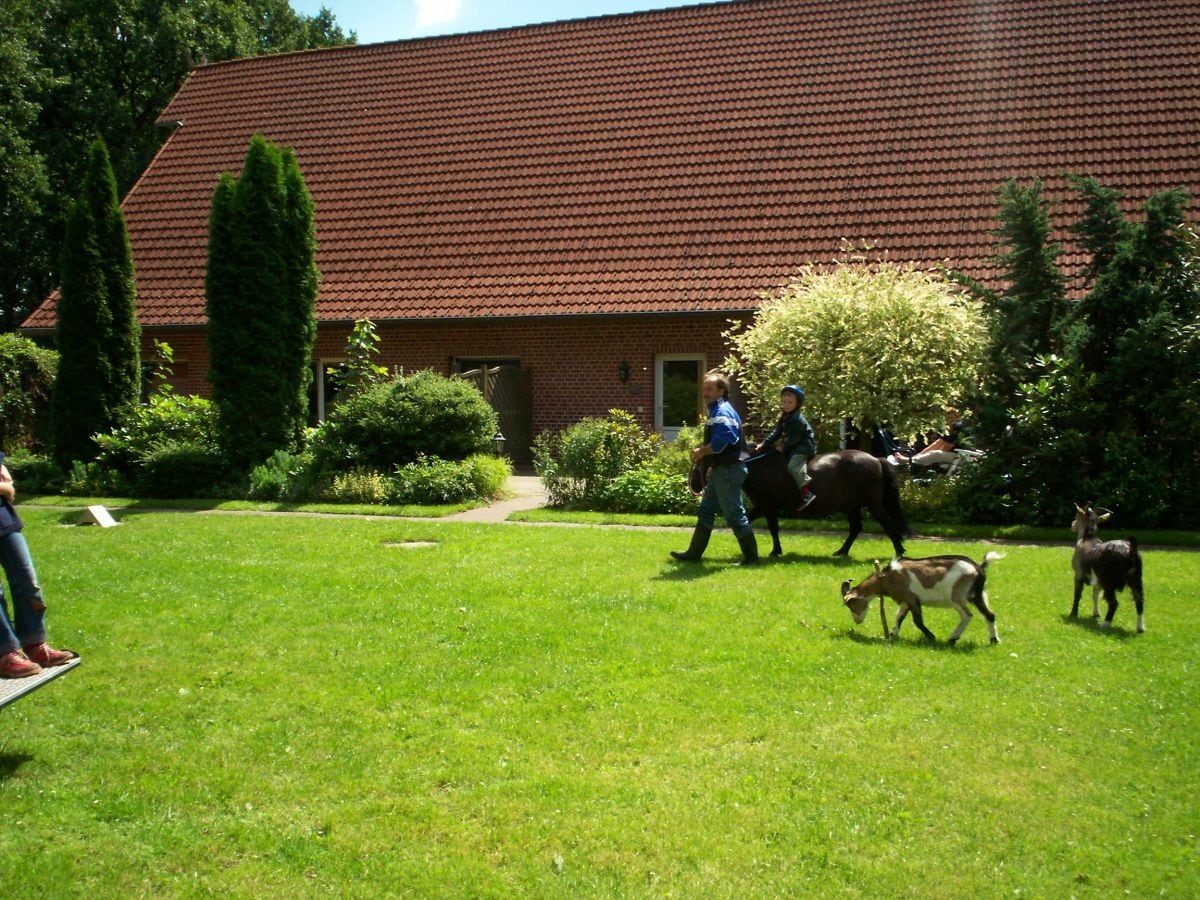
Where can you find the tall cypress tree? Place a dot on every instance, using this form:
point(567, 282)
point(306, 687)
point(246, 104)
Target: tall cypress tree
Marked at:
point(1035, 298)
point(99, 373)
point(257, 288)
point(77, 406)
point(123, 343)
point(300, 245)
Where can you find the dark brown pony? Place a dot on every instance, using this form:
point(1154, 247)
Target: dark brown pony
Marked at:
point(844, 482)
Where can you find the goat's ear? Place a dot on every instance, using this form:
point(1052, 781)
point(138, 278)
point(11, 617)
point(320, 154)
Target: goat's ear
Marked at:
point(1104, 518)
point(845, 588)
point(1079, 509)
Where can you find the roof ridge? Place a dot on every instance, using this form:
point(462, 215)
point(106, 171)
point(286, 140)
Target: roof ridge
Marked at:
point(487, 33)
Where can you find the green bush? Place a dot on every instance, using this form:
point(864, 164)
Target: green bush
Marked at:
point(576, 464)
point(26, 383)
point(34, 473)
point(430, 480)
point(183, 469)
point(360, 486)
point(166, 420)
point(934, 500)
point(646, 490)
point(676, 456)
point(91, 479)
point(396, 422)
point(291, 477)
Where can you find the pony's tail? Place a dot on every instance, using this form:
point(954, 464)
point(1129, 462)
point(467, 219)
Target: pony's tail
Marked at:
point(891, 499)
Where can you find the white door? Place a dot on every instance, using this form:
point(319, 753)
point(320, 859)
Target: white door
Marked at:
point(677, 400)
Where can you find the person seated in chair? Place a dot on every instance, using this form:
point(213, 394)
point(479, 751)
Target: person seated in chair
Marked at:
point(940, 450)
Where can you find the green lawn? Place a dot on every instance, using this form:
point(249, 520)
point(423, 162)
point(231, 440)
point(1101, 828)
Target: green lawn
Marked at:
point(302, 707)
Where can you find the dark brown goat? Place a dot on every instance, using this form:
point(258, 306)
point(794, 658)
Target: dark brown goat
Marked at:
point(1108, 566)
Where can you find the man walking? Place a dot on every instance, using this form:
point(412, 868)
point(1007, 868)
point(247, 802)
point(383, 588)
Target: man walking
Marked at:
point(723, 444)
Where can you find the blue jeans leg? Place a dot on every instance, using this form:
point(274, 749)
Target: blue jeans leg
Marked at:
point(27, 625)
point(723, 493)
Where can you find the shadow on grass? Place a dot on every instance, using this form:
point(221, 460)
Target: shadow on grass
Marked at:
point(690, 571)
point(10, 762)
point(921, 644)
point(1095, 625)
point(830, 561)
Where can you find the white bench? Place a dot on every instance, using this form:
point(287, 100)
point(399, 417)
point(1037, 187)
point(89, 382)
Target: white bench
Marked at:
point(13, 689)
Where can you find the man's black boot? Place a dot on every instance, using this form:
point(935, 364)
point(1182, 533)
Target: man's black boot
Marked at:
point(699, 543)
point(749, 549)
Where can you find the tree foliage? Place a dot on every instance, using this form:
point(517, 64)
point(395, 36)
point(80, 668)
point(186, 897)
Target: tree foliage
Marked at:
point(99, 373)
point(25, 185)
point(71, 70)
point(1113, 417)
point(260, 288)
point(872, 342)
point(26, 381)
point(1024, 319)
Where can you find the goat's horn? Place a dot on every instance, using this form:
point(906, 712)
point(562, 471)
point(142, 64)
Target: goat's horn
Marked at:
point(877, 571)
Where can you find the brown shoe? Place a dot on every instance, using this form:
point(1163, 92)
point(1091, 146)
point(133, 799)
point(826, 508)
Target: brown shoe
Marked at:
point(15, 664)
point(45, 655)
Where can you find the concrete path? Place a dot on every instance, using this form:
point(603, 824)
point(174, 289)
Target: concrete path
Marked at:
point(527, 492)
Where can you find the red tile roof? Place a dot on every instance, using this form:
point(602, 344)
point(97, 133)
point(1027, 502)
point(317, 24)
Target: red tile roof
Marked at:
point(672, 161)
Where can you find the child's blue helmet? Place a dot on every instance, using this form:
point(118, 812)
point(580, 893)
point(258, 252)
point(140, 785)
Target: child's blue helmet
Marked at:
point(794, 389)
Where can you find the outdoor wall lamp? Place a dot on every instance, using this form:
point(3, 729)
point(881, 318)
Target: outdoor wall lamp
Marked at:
point(623, 372)
point(498, 441)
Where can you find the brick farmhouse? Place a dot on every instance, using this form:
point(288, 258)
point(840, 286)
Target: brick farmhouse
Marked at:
point(592, 202)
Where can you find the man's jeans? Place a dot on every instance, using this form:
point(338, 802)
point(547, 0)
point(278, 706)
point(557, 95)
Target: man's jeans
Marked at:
point(26, 626)
point(723, 493)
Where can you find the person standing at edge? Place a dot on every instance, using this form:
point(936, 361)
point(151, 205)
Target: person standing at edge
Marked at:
point(723, 444)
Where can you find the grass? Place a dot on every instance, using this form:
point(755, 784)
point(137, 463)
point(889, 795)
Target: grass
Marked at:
point(195, 505)
point(297, 706)
point(1146, 537)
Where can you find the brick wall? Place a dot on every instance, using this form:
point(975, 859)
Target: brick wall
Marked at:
point(574, 360)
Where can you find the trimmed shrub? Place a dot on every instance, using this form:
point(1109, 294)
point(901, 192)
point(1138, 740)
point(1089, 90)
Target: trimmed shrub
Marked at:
point(182, 469)
point(397, 422)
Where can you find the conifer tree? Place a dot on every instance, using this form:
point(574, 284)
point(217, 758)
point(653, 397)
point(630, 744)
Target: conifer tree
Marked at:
point(261, 277)
point(99, 371)
point(300, 245)
point(1033, 302)
point(123, 342)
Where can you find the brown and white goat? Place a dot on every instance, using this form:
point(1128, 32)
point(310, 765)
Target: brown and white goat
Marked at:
point(951, 581)
point(1108, 566)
